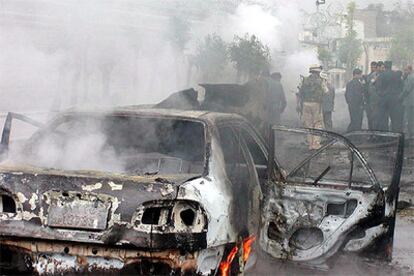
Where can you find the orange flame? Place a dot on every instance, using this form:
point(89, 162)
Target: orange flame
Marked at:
point(247, 247)
point(225, 265)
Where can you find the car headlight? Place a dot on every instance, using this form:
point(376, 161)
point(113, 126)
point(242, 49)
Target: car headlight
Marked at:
point(171, 217)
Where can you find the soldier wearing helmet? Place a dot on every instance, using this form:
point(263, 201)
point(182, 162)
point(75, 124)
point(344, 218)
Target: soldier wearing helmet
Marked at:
point(310, 98)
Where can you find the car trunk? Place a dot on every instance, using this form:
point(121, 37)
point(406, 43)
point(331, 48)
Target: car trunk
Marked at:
point(78, 206)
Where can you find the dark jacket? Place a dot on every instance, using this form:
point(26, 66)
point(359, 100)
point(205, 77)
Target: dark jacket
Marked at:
point(328, 101)
point(371, 91)
point(278, 98)
point(408, 92)
point(389, 83)
point(354, 93)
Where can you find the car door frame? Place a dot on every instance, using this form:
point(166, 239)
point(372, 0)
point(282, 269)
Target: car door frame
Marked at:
point(233, 125)
point(375, 184)
point(7, 128)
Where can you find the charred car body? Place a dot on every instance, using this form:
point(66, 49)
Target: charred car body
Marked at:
point(177, 191)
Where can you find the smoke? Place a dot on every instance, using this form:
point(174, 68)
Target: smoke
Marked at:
point(59, 55)
point(115, 143)
point(254, 19)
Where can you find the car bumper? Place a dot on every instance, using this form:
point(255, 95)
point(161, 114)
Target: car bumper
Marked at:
point(49, 257)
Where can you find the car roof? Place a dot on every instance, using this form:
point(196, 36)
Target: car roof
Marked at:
point(199, 115)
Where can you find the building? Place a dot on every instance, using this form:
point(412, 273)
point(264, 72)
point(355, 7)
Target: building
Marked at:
point(325, 30)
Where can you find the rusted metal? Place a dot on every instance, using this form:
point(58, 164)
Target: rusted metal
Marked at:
point(78, 213)
point(44, 253)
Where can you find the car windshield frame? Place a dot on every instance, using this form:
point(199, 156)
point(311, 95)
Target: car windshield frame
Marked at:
point(100, 115)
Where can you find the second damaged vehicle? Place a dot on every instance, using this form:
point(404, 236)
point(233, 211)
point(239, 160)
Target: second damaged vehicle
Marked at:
point(159, 191)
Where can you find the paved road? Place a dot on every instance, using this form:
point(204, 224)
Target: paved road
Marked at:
point(402, 264)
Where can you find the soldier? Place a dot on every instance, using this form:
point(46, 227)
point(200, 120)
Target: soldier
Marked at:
point(407, 98)
point(328, 103)
point(389, 87)
point(371, 97)
point(354, 96)
point(278, 97)
point(310, 97)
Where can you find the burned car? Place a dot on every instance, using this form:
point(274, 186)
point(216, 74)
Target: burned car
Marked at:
point(164, 191)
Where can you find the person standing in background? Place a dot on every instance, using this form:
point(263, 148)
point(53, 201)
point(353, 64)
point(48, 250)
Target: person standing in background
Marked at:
point(310, 97)
point(389, 86)
point(278, 97)
point(407, 98)
point(354, 95)
point(371, 97)
point(259, 86)
point(380, 67)
point(328, 103)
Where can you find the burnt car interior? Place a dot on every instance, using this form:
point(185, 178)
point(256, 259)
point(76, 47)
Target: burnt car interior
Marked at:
point(123, 144)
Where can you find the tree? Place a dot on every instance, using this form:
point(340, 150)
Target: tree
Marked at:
point(211, 57)
point(402, 47)
point(324, 56)
point(350, 48)
point(249, 56)
point(179, 32)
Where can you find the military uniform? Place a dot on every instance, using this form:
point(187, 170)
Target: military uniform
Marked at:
point(408, 102)
point(311, 94)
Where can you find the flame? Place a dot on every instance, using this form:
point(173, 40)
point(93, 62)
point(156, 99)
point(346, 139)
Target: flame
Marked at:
point(225, 265)
point(247, 247)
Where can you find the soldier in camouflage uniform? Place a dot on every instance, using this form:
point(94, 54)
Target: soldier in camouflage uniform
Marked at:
point(310, 97)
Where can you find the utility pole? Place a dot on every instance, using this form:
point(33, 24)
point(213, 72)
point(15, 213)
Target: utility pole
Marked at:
point(318, 3)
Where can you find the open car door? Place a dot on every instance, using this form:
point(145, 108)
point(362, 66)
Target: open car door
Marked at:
point(330, 198)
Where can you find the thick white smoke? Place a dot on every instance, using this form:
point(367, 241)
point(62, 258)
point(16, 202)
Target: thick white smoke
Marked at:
point(55, 55)
point(58, 55)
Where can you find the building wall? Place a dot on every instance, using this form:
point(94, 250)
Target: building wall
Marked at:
point(376, 49)
point(369, 19)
